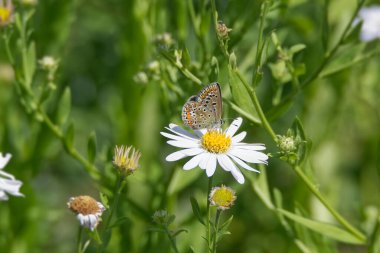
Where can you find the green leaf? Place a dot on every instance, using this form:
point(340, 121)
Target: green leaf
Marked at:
point(374, 246)
point(91, 147)
point(243, 113)
point(177, 232)
point(64, 107)
point(214, 70)
point(196, 210)
point(104, 200)
point(69, 137)
point(119, 221)
point(323, 228)
point(31, 60)
point(260, 186)
point(278, 202)
point(186, 59)
point(240, 94)
point(223, 228)
point(304, 146)
point(296, 48)
point(354, 35)
point(346, 59)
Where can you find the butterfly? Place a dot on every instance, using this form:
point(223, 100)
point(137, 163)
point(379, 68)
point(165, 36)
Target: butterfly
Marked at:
point(205, 109)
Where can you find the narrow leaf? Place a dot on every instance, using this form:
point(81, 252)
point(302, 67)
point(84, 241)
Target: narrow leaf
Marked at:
point(69, 137)
point(64, 107)
point(323, 228)
point(240, 94)
point(91, 147)
point(196, 210)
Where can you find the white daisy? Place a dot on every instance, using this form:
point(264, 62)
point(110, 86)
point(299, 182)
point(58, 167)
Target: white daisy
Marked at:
point(87, 209)
point(371, 23)
point(8, 183)
point(213, 146)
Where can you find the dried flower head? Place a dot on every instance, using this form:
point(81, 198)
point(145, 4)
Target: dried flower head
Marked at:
point(222, 197)
point(223, 30)
point(126, 159)
point(87, 209)
point(6, 12)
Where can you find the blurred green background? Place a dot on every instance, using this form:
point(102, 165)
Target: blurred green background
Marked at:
point(102, 45)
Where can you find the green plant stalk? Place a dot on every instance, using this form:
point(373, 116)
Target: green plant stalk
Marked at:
point(6, 39)
point(327, 57)
point(260, 45)
point(208, 230)
point(217, 219)
point(201, 39)
point(121, 181)
point(91, 169)
point(258, 108)
point(223, 46)
point(79, 239)
point(337, 216)
point(181, 68)
point(171, 239)
point(25, 87)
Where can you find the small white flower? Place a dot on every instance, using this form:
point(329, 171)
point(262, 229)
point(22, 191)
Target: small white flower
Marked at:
point(87, 209)
point(8, 183)
point(48, 63)
point(213, 146)
point(371, 23)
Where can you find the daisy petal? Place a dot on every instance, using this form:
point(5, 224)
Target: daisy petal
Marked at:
point(239, 137)
point(211, 165)
point(200, 132)
point(204, 162)
point(184, 144)
point(176, 137)
point(183, 153)
point(250, 146)
point(221, 160)
point(249, 155)
point(7, 175)
point(234, 126)
point(193, 162)
point(228, 165)
point(4, 159)
point(243, 164)
point(180, 131)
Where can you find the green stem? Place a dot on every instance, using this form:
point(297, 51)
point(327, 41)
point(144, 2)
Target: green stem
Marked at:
point(260, 45)
point(337, 216)
point(327, 57)
point(171, 239)
point(181, 68)
point(258, 108)
point(208, 230)
point(223, 47)
point(217, 219)
point(91, 169)
point(79, 239)
point(118, 189)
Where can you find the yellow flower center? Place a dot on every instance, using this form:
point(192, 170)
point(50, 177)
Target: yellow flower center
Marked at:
point(5, 15)
point(215, 141)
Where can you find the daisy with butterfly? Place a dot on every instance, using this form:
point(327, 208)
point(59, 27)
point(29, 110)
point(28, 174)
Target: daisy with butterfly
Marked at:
point(209, 145)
